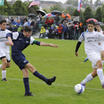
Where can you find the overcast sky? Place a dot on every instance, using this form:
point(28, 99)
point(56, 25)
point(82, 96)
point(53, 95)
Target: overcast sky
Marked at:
point(63, 1)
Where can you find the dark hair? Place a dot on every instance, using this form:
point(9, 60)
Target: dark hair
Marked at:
point(2, 21)
point(91, 22)
point(25, 19)
point(27, 29)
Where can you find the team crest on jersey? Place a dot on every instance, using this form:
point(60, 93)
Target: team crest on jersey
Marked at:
point(27, 41)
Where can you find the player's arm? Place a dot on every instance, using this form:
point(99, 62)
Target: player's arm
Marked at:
point(77, 48)
point(48, 44)
point(33, 41)
point(81, 38)
point(44, 44)
point(10, 42)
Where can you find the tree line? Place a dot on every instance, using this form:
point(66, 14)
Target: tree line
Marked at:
point(21, 8)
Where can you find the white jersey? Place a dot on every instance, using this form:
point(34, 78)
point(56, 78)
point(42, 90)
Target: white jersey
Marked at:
point(3, 38)
point(101, 43)
point(92, 46)
point(91, 41)
point(4, 49)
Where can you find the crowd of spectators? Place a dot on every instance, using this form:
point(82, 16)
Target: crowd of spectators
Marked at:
point(60, 28)
point(48, 27)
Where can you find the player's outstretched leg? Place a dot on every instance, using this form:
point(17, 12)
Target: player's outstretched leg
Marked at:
point(88, 78)
point(40, 76)
point(51, 80)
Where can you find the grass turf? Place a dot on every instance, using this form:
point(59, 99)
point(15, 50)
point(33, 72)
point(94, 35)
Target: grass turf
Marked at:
point(49, 61)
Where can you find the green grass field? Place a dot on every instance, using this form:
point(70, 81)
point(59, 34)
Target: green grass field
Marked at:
point(49, 61)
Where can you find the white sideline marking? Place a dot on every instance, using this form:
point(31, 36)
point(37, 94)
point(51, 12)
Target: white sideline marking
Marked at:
point(57, 84)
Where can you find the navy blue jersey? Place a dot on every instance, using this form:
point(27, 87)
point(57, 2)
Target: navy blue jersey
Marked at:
point(20, 41)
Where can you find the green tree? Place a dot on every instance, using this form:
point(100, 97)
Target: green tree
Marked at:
point(76, 13)
point(85, 3)
point(98, 14)
point(70, 10)
point(1, 10)
point(88, 13)
point(81, 17)
point(20, 8)
point(6, 9)
point(102, 12)
point(33, 9)
point(46, 10)
point(57, 7)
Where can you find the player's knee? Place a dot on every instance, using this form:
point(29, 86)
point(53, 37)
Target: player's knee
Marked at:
point(99, 64)
point(4, 63)
point(29, 66)
point(25, 73)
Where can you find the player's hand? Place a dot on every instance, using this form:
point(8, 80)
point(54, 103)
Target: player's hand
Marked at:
point(76, 53)
point(53, 45)
point(9, 43)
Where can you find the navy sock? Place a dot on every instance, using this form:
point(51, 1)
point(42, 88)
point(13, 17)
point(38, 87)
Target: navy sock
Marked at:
point(26, 84)
point(37, 74)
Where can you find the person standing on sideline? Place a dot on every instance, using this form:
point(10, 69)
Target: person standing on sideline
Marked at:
point(91, 40)
point(20, 41)
point(4, 49)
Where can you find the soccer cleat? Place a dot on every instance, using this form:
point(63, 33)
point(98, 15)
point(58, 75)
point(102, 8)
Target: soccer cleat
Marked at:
point(85, 60)
point(51, 80)
point(84, 85)
point(4, 79)
point(28, 94)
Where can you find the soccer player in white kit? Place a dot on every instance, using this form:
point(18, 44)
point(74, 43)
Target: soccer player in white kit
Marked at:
point(92, 49)
point(99, 29)
point(4, 49)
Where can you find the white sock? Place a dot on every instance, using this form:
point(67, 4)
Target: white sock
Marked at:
point(3, 74)
point(100, 75)
point(0, 65)
point(87, 79)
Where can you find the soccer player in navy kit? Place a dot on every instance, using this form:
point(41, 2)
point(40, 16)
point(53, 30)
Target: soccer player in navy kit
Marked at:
point(19, 41)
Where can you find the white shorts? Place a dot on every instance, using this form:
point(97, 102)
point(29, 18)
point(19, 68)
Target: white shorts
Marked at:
point(94, 57)
point(5, 53)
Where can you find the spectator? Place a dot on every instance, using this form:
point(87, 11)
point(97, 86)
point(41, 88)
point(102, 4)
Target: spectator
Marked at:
point(60, 31)
point(42, 32)
point(26, 23)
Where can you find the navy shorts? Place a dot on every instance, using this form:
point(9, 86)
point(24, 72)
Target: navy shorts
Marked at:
point(20, 60)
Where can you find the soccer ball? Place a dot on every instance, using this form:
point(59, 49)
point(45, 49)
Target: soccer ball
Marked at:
point(79, 88)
